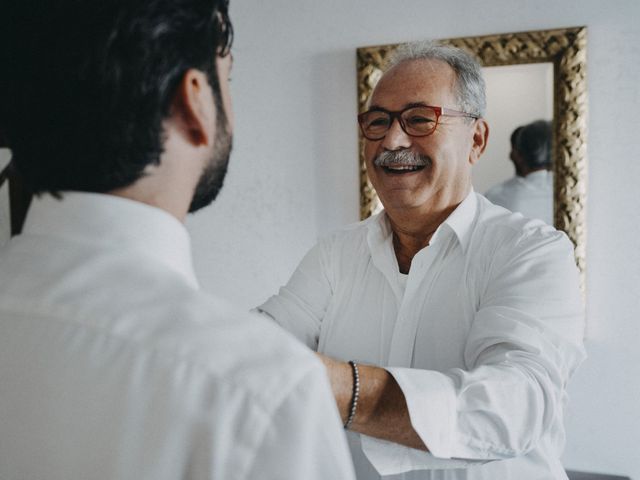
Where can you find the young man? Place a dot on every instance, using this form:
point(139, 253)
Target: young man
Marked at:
point(113, 365)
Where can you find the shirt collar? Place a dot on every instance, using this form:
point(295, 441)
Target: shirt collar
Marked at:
point(461, 219)
point(111, 221)
point(460, 222)
point(539, 176)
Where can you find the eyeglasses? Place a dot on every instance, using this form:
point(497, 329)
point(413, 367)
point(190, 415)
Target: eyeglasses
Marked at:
point(416, 121)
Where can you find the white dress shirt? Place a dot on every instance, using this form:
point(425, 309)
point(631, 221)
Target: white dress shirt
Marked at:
point(531, 195)
point(481, 336)
point(114, 366)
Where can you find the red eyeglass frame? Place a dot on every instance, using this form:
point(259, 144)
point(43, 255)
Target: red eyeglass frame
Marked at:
point(397, 115)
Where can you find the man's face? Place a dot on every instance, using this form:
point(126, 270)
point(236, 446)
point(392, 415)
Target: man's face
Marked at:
point(213, 175)
point(446, 154)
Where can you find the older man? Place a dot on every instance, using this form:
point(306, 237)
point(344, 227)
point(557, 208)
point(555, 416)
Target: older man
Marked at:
point(462, 322)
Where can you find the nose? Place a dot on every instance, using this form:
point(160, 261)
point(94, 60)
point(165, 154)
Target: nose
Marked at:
point(396, 138)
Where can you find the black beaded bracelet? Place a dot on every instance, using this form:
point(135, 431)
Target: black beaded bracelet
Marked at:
point(355, 396)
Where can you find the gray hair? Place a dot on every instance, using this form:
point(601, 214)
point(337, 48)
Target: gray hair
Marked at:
point(470, 87)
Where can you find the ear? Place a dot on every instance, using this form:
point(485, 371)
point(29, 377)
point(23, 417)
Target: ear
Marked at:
point(480, 139)
point(193, 109)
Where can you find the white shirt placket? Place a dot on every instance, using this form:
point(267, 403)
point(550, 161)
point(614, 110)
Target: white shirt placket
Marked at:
point(424, 271)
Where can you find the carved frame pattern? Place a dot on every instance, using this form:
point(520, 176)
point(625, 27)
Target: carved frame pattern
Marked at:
point(567, 49)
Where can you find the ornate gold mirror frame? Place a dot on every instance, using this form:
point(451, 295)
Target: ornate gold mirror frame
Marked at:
point(566, 49)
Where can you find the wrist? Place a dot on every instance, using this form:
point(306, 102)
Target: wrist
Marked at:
point(355, 394)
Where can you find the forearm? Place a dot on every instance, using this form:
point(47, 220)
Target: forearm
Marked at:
point(381, 410)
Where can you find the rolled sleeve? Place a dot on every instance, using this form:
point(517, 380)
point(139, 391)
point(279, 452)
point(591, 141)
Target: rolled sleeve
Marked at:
point(435, 426)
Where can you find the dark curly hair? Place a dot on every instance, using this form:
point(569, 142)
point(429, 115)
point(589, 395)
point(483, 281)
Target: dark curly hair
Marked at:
point(85, 84)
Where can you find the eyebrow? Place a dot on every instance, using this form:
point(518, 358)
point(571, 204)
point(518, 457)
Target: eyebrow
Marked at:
point(406, 105)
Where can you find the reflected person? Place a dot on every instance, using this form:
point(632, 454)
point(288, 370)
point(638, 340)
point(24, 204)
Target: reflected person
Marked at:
point(113, 364)
point(530, 191)
point(462, 322)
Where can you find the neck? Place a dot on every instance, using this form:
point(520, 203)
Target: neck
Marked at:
point(169, 202)
point(534, 170)
point(168, 186)
point(412, 230)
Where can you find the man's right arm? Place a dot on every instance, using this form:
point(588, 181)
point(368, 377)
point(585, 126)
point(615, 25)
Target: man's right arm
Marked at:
point(301, 304)
point(305, 438)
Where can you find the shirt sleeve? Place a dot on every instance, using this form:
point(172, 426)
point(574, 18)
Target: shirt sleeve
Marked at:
point(305, 438)
point(301, 304)
point(525, 341)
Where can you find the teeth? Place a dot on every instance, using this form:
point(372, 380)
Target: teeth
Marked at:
point(403, 167)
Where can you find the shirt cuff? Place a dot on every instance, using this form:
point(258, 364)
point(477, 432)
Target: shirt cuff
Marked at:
point(431, 401)
point(391, 458)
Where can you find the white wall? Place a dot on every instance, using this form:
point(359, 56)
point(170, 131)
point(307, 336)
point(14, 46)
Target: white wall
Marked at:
point(294, 170)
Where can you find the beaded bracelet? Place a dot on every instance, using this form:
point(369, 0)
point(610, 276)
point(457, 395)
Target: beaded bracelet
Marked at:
point(356, 394)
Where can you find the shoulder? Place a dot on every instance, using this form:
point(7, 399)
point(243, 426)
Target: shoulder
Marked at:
point(352, 231)
point(229, 347)
point(227, 375)
point(499, 229)
point(169, 327)
point(348, 242)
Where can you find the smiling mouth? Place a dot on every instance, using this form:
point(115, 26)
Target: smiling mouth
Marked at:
point(402, 169)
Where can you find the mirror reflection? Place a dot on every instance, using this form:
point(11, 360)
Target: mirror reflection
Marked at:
point(516, 170)
point(516, 95)
point(530, 190)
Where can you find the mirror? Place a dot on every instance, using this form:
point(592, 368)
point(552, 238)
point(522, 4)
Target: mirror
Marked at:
point(565, 51)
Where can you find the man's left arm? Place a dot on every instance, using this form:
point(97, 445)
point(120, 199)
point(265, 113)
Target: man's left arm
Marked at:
point(381, 410)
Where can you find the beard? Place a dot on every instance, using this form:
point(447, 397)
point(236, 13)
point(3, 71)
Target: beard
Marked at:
point(212, 177)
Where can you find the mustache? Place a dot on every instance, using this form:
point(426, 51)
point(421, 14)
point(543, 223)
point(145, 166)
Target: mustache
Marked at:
point(389, 158)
